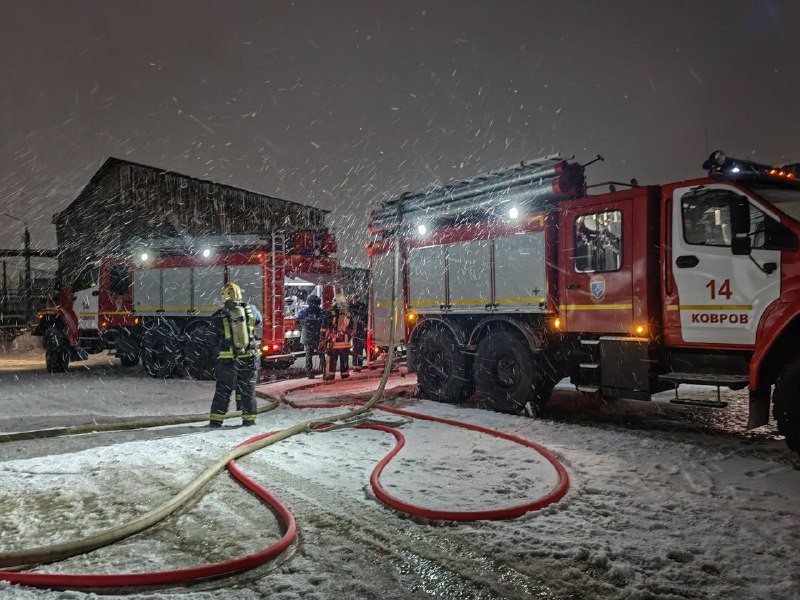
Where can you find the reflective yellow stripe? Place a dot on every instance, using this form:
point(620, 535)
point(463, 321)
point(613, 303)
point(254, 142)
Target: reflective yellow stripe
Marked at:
point(226, 327)
point(216, 418)
point(711, 307)
point(596, 307)
point(424, 303)
point(517, 300)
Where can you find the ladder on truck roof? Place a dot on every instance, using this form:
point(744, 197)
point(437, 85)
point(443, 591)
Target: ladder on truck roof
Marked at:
point(532, 183)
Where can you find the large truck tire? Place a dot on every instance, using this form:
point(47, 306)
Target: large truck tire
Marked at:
point(786, 403)
point(441, 367)
point(198, 352)
point(159, 352)
point(506, 374)
point(56, 350)
point(128, 360)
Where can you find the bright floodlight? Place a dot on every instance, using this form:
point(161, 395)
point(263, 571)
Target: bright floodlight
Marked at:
point(421, 229)
point(513, 212)
point(735, 170)
point(145, 256)
point(206, 252)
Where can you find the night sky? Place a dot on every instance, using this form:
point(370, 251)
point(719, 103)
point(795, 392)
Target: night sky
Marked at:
point(341, 103)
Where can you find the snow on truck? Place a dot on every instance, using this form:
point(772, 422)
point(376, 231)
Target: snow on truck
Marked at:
point(517, 279)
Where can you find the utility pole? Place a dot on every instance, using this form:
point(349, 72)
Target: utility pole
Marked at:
point(27, 254)
point(4, 300)
point(28, 285)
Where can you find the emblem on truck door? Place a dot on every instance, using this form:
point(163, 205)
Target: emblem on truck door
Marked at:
point(598, 288)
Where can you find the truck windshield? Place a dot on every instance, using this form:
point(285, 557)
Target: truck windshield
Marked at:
point(786, 200)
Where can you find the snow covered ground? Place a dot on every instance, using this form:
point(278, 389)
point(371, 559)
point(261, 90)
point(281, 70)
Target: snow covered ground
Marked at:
point(665, 502)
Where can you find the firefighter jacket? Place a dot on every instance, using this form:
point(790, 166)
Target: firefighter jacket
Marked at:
point(338, 328)
point(311, 318)
point(238, 328)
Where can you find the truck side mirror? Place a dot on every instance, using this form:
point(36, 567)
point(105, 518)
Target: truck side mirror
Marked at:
point(740, 226)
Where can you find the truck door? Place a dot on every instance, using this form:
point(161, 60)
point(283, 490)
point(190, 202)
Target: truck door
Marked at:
point(86, 297)
point(596, 292)
point(118, 284)
point(720, 297)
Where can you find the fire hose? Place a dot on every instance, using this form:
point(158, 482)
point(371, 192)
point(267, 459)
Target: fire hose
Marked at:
point(47, 554)
point(33, 556)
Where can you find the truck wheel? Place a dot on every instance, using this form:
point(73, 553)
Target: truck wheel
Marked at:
point(506, 377)
point(198, 353)
point(56, 355)
point(128, 360)
point(786, 403)
point(158, 352)
point(441, 367)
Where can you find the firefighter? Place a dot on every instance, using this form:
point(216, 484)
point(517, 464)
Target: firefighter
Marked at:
point(358, 315)
point(336, 333)
point(311, 319)
point(238, 326)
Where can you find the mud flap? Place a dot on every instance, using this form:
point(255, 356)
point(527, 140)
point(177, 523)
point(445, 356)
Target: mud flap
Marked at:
point(759, 408)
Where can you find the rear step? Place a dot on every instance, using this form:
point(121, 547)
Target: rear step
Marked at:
point(737, 381)
point(703, 403)
point(734, 381)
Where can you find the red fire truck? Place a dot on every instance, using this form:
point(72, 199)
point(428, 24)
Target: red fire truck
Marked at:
point(517, 279)
point(155, 302)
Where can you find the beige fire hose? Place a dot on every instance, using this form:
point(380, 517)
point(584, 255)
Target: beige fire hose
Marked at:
point(84, 428)
point(65, 550)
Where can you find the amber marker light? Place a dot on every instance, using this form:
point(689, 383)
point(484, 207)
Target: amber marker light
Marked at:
point(640, 330)
point(411, 317)
point(557, 324)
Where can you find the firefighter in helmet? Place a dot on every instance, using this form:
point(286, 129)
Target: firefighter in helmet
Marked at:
point(238, 327)
point(337, 331)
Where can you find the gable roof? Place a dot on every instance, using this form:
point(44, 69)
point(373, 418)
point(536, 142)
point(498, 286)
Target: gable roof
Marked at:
point(112, 163)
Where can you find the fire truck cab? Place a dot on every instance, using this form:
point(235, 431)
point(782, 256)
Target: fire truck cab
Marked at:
point(518, 279)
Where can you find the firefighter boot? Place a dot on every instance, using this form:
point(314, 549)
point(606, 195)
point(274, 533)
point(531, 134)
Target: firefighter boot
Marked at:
point(215, 420)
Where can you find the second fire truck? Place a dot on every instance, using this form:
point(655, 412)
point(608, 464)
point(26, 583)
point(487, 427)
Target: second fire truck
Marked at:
point(517, 279)
point(154, 302)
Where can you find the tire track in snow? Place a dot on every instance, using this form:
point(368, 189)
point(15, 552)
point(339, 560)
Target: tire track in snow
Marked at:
point(439, 562)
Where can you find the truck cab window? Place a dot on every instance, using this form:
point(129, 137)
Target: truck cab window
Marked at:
point(120, 280)
point(706, 222)
point(87, 278)
point(598, 242)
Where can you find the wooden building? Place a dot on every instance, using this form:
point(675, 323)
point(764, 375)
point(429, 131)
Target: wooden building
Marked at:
point(126, 201)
